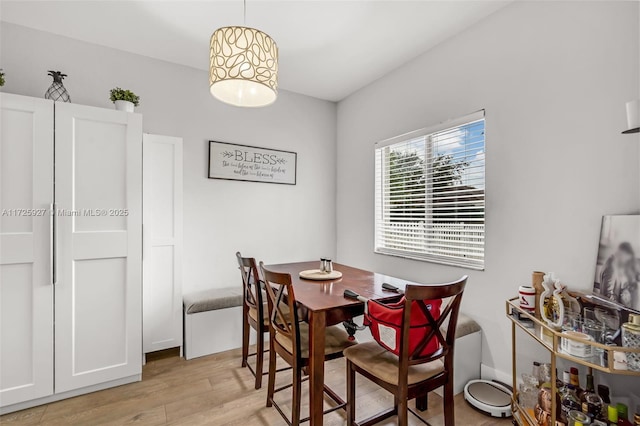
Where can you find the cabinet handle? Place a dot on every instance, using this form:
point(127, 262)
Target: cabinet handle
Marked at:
point(51, 244)
point(54, 243)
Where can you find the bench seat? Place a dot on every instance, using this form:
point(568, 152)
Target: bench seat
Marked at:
point(464, 327)
point(212, 321)
point(212, 300)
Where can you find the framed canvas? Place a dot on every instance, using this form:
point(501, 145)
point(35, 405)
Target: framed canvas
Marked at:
point(618, 264)
point(253, 164)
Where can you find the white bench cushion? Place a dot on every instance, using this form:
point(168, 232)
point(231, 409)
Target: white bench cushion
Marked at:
point(212, 300)
point(465, 326)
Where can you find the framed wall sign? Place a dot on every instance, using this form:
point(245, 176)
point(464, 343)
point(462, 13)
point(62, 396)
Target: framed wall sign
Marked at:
point(249, 163)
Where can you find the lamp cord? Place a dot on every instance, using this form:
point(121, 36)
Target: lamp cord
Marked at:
point(244, 12)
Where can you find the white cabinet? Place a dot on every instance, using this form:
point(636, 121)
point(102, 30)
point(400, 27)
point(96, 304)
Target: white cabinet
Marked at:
point(26, 282)
point(98, 294)
point(162, 252)
point(71, 282)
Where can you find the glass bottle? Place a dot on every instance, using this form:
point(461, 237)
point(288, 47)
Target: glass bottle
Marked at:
point(612, 415)
point(603, 391)
point(535, 370)
point(591, 401)
point(561, 389)
point(592, 406)
point(570, 402)
point(561, 384)
point(566, 379)
point(590, 386)
point(575, 380)
point(623, 415)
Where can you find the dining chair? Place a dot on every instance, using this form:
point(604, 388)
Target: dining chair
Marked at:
point(289, 338)
point(411, 374)
point(254, 315)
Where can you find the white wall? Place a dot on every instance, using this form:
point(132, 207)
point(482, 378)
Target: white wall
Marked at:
point(276, 223)
point(553, 78)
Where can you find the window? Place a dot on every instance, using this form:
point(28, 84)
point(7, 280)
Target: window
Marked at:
point(430, 194)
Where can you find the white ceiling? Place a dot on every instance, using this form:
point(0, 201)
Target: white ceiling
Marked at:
point(328, 49)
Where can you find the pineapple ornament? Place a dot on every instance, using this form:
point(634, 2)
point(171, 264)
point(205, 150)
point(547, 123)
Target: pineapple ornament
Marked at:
point(57, 91)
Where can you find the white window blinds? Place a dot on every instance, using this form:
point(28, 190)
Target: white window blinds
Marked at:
point(430, 201)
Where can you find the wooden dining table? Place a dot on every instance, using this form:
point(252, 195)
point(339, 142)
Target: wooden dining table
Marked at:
point(322, 304)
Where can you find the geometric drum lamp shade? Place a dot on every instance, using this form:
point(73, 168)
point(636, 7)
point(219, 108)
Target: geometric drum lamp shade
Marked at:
point(243, 67)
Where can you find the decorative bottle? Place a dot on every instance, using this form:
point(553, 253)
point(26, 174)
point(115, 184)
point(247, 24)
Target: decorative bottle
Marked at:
point(551, 305)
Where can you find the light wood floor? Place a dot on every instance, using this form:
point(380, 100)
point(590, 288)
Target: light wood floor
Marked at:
point(215, 390)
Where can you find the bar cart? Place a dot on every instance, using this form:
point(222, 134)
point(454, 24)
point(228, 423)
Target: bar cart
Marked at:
point(550, 339)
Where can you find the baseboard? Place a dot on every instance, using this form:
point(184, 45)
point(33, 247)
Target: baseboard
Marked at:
point(490, 373)
point(70, 394)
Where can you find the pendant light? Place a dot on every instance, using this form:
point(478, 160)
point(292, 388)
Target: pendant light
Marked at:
point(243, 67)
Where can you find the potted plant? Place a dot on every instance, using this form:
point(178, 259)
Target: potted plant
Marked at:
point(1, 77)
point(124, 100)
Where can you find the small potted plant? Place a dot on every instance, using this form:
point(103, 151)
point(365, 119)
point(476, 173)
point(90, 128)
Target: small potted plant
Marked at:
point(124, 100)
point(1, 77)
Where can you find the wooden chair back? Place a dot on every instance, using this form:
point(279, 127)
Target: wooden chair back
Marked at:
point(251, 284)
point(280, 294)
point(416, 297)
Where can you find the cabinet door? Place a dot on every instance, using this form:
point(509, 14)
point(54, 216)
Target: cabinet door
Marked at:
point(98, 170)
point(162, 239)
point(26, 288)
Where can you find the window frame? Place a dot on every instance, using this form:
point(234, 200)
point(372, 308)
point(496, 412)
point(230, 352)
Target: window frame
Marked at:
point(379, 174)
